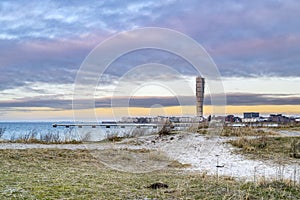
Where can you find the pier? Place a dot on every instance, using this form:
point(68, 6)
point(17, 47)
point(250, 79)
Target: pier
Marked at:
point(107, 125)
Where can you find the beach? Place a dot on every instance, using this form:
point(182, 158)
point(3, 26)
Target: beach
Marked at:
point(201, 153)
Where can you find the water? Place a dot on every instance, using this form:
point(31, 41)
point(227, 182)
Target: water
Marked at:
point(39, 130)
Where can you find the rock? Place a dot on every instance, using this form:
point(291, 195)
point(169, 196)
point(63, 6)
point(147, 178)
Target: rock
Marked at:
point(180, 137)
point(295, 155)
point(156, 186)
point(172, 138)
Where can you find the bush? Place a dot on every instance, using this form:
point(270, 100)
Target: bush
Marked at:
point(295, 148)
point(2, 130)
point(114, 137)
point(166, 128)
point(50, 137)
point(28, 137)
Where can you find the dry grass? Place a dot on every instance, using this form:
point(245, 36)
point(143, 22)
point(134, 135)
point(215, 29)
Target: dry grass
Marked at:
point(132, 160)
point(288, 128)
point(114, 138)
point(176, 164)
point(49, 138)
point(67, 174)
point(37, 141)
point(273, 148)
point(237, 131)
point(245, 131)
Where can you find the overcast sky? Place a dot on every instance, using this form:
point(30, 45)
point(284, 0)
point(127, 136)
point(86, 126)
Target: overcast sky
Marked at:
point(255, 45)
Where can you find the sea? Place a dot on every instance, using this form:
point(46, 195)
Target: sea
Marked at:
point(45, 131)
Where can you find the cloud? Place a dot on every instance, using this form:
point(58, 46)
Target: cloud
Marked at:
point(246, 99)
point(251, 38)
point(58, 19)
point(45, 42)
point(126, 62)
point(243, 37)
point(51, 61)
point(249, 99)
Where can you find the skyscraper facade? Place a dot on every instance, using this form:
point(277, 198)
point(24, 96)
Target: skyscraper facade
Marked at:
point(200, 84)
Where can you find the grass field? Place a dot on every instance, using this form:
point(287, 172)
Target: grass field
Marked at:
point(288, 128)
point(278, 149)
point(237, 131)
point(75, 174)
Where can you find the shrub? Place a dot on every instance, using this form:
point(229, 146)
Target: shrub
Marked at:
point(50, 137)
point(2, 130)
point(166, 128)
point(295, 148)
point(114, 137)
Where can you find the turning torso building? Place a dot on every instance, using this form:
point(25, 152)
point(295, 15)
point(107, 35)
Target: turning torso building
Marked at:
point(200, 83)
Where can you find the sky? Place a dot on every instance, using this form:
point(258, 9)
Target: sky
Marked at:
point(254, 44)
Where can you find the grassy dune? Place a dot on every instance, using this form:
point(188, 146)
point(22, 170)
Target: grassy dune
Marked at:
point(288, 128)
point(236, 131)
point(273, 148)
point(75, 174)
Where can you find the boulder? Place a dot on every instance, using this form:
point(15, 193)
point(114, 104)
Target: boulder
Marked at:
point(158, 185)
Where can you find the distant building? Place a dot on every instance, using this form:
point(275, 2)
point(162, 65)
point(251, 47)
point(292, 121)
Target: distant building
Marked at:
point(200, 84)
point(229, 118)
point(232, 118)
point(279, 118)
point(264, 119)
point(161, 119)
point(248, 115)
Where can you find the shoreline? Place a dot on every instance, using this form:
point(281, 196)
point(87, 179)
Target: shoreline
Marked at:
point(196, 150)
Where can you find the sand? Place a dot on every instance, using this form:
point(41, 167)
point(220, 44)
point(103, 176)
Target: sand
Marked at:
point(202, 153)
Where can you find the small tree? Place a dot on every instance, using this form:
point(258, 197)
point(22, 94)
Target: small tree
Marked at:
point(166, 128)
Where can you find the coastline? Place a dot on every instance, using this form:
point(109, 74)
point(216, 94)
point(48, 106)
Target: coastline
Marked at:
point(198, 151)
